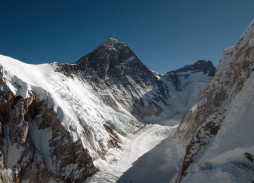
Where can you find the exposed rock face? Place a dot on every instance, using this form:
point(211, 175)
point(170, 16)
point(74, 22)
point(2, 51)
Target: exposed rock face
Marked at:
point(115, 70)
point(23, 153)
point(200, 125)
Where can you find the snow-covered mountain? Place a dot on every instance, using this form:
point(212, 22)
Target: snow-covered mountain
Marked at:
point(218, 131)
point(117, 76)
point(186, 85)
point(56, 120)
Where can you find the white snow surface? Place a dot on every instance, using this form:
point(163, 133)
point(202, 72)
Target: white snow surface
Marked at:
point(74, 99)
point(70, 98)
point(181, 101)
point(224, 159)
point(152, 155)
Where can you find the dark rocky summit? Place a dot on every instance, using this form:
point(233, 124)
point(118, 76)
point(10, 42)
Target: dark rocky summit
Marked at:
point(114, 67)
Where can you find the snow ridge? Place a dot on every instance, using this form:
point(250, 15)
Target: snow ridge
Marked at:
point(219, 130)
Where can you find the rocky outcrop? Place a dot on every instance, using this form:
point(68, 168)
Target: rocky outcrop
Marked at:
point(24, 156)
point(114, 139)
point(201, 124)
point(115, 68)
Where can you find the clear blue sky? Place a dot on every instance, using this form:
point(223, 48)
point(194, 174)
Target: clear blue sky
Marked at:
point(165, 34)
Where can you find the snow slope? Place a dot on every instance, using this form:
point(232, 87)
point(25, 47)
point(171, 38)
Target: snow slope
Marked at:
point(72, 100)
point(149, 156)
point(186, 86)
point(224, 160)
point(222, 146)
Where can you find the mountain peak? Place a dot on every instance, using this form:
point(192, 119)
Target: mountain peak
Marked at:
point(203, 63)
point(205, 66)
point(112, 41)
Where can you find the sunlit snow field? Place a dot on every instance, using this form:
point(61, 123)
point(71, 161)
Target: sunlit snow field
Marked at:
point(149, 156)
